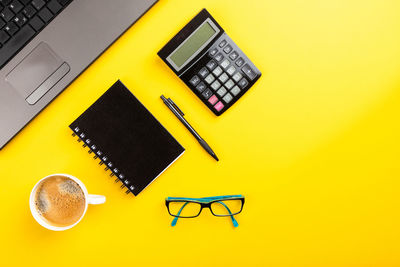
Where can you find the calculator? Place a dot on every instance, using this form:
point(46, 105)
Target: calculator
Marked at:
point(210, 63)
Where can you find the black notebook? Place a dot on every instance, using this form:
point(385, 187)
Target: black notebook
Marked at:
point(126, 137)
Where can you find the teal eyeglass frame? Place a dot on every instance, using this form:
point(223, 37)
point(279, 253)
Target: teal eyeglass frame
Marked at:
point(205, 202)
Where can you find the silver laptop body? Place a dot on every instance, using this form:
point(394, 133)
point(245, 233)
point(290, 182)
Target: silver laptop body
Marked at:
point(58, 54)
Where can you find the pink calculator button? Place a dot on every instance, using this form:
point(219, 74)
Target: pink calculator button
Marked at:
point(213, 100)
point(219, 106)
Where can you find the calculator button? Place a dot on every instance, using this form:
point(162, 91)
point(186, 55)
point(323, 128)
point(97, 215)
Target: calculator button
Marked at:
point(235, 91)
point(234, 55)
point(211, 64)
point(223, 78)
point(231, 70)
point(201, 87)
point(225, 63)
point(221, 92)
point(213, 52)
point(228, 49)
point(227, 98)
point(210, 78)
point(219, 106)
point(203, 72)
point(249, 72)
point(207, 93)
point(217, 71)
point(213, 100)
point(195, 80)
point(243, 83)
point(215, 85)
point(237, 77)
point(229, 84)
point(223, 43)
point(240, 62)
point(219, 57)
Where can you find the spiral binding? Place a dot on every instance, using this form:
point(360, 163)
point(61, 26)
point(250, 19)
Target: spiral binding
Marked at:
point(98, 154)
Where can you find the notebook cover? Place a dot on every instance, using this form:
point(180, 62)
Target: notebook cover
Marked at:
point(127, 138)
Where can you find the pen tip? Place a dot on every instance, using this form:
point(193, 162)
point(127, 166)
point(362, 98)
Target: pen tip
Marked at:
point(215, 157)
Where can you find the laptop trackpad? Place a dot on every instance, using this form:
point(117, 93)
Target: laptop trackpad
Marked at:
point(37, 73)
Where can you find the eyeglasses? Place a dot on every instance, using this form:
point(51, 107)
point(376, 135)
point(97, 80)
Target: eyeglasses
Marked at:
point(221, 206)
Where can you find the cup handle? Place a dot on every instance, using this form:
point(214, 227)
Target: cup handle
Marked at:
point(96, 199)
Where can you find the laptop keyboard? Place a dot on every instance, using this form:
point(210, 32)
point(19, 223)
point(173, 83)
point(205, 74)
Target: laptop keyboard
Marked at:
point(21, 20)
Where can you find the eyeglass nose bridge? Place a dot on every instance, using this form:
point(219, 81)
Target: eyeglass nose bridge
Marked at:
point(208, 206)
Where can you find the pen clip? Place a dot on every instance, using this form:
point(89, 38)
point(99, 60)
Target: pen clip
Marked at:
point(176, 106)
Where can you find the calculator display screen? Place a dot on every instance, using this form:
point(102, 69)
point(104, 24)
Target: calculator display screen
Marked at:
point(195, 42)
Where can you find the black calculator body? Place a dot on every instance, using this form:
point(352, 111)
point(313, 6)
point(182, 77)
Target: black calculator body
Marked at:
point(210, 63)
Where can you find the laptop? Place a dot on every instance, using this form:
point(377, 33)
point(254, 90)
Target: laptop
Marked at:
point(46, 44)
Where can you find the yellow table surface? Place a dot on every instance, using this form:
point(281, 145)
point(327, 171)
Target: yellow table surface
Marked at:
point(314, 146)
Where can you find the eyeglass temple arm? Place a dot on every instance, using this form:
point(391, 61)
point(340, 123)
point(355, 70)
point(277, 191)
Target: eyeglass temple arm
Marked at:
point(179, 212)
point(235, 223)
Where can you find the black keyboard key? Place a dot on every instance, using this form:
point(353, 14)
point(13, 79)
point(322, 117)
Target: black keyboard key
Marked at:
point(54, 6)
point(38, 4)
point(45, 15)
point(15, 44)
point(29, 11)
point(36, 23)
point(20, 19)
point(2, 23)
point(7, 14)
point(25, 2)
point(16, 6)
point(5, 2)
point(4, 37)
point(64, 2)
point(11, 28)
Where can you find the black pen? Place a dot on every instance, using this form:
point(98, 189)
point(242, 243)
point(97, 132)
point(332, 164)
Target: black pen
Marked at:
point(179, 114)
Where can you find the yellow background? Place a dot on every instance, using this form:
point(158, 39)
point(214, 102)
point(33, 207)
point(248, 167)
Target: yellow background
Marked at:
point(314, 146)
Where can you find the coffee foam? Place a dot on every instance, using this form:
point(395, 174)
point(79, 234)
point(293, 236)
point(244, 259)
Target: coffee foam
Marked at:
point(69, 187)
point(60, 201)
point(42, 202)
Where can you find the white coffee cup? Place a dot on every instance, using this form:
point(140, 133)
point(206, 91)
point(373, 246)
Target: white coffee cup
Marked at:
point(89, 199)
